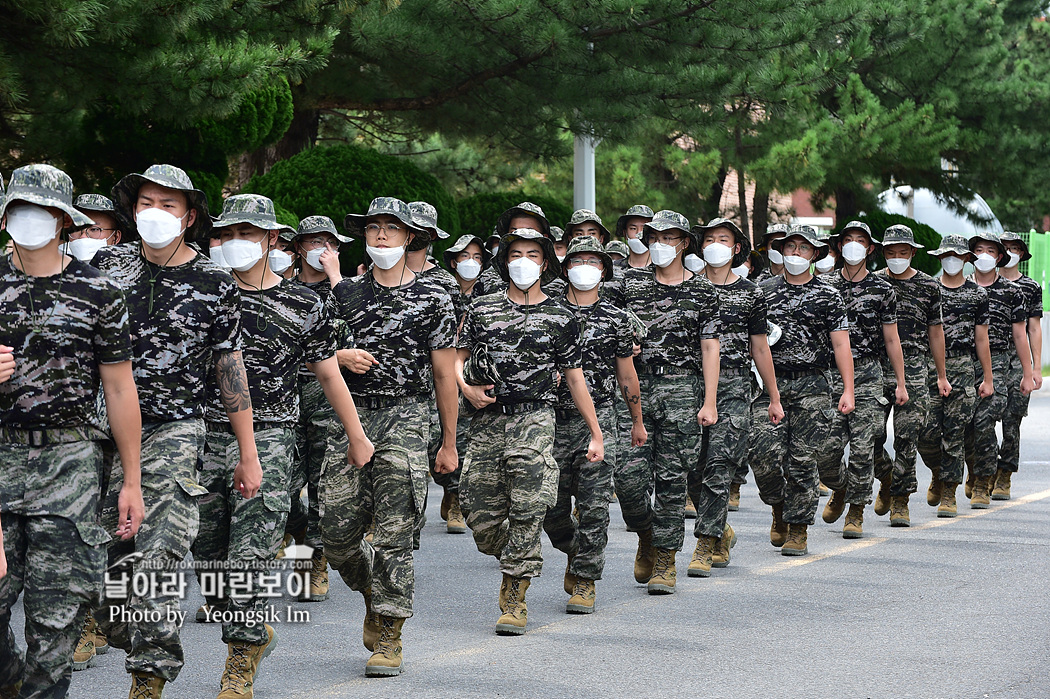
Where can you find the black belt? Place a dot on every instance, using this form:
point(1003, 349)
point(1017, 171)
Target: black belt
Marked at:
point(665, 370)
point(47, 437)
point(787, 374)
point(258, 426)
point(381, 402)
point(742, 371)
point(518, 408)
point(567, 414)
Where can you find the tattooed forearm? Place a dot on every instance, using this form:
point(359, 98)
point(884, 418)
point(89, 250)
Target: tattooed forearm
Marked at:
point(233, 382)
point(633, 400)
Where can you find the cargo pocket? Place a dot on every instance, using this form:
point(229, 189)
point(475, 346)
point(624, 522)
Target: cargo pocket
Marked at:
point(549, 486)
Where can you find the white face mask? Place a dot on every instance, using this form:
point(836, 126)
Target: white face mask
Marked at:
point(637, 246)
point(825, 264)
point(717, 254)
point(1014, 259)
point(662, 254)
point(795, 264)
point(242, 255)
point(952, 265)
point(693, 263)
point(158, 228)
point(984, 262)
point(898, 265)
point(524, 272)
point(84, 249)
point(561, 258)
point(313, 258)
point(854, 253)
point(280, 261)
point(776, 257)
point(468, 269)
point(385, 258)
point(741, 271)
point(216, 256)
point(585, 277)
point(31, 226)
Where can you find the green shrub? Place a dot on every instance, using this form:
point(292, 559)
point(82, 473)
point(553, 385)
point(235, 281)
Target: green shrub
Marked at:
point(879, 221)
point(478, 214)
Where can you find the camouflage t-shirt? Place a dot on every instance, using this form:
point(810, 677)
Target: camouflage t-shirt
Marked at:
point(528, 344)
point(870, 304)
point(1033, 296)
point(918, 307)
point(282, 327)
point(677, 317)
point(605, 334)
point(82, 323)
point(1006, 306)
point(437, 275)
point(807, 314)
point(963, 308)
point(399, 326)
point(323, 289)
point(742, 313)
point(196, 316)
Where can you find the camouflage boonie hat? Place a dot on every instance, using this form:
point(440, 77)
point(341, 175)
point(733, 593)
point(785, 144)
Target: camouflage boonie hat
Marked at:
point(745, 244)
point(253, 209)
point(900, 234)
point(389, 206)
point(557, 233)
point(836, 240)
point(94, 202)
point(43, 185)
point(320, 224)
point(950, 244)
point(988, 237)
point(1010, 236)
point(425, 217)
point(125, 193)
point(618, 247)
point(480, 369)
point(771, 231)
point(525, 208)
point(461, 244)
point(584, 215)
point(553, 270)
point(588, 243)
point(665, 220)
point(809, 233)
point(638, 328)
point(636, 211)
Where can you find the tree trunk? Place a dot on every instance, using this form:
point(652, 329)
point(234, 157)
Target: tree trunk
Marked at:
point(845, 205)
point(741, 197)
point(759, 211)
point(301, 134)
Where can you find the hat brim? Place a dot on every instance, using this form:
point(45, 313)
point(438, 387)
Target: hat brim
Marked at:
point(338, 236)
point(553, 270)
point(355, 223)
point(503, 223)
point(941, 252)
point(126, 191)
point(973, 242)
point(79, 219)
point(1026, 255)
point(820, 245)
point(265, 225)
point(607, 262)
point(886, 243)
point(694, 243)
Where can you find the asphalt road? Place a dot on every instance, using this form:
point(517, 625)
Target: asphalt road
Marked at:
point(946, 608)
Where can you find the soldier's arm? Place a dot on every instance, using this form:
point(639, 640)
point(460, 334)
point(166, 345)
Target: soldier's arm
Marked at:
point(447, 394)
point(710, 353)
point(237, 401)
point(582, 398)
point(1035, 341)
point(936, 333)
point(122, 404)
point(844, 363)
point(1024, 353)
point(984, 356)
point(7, 362)
point(475, 394)
point(338, 395)
point(764, 363)
point(892, 339)
point(627, 379)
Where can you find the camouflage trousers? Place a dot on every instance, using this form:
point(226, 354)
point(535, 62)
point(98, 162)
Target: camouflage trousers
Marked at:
point(311, 445)
point(390, 490)
point(908, 421)
point(669, 408)
point(591, 484)
point(739, 475)
point(55, 555)
point(449, 482)
point(942, 440)
point(623, 430)
point(1016, 410)
point(857, 430)
point(982, 444)
point(509, 480)
point(171, 455)
point(785, 457)
point(245, 533)
point(723, 449)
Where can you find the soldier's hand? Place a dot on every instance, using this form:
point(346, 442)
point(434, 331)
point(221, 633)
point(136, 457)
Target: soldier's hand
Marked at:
point(901, 395)
point(247, 477)
point(130, 511)
point(1027, 386)
point(986, 389)
point(776, 412)
point(447, 459)
point(943, 387)
point(636, 350)
point(707, 416)
point(3, 556)
point(355, 360)
point(1038, 380)
point(477, 395)
point(360, 452)
point(596, 450)
point(330, 261)
point(846, 403)
point(639, 435)
point(7, 362)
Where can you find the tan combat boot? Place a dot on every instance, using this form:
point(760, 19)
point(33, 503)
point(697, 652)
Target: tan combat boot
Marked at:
point(1001, 489)
point(568, 583)
point(643, 558)
point(455, 523)
point(734, 497)
point(980, 500)
point(515, 611)
point(933, 493)
point(582, 600)
point(665, 574)
point(317, 577)
point(948, 507)
point(146, 686)
point(690, 508)
point(720, 556)
point(700, 566)
point(797, 539)
point(370, 629)
point(778, 531)
point(836, 504)
point(386, 660)
point(242, 664)
point(84, 652)
point(899, 515)
point(854, 526)
point(882, 500)
point(822, 489)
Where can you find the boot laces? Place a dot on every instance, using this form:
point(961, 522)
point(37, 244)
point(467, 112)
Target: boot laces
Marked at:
point(580, 589)
point(143, 688)
point(237, 666)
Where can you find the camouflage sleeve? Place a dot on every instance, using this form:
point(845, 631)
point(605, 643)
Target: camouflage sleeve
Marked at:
point(624, 335)
point(888, 310)
point(933, 316)
point(756, 319)
point(1018, 307)
point(837, 317)
point(225, 332)
point(1035, 301)
point(567, 349)
point(442, 323)
point(112, 337)
point(983, 313)
point(319, 338)
point(708, 307)
point(468, 335)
